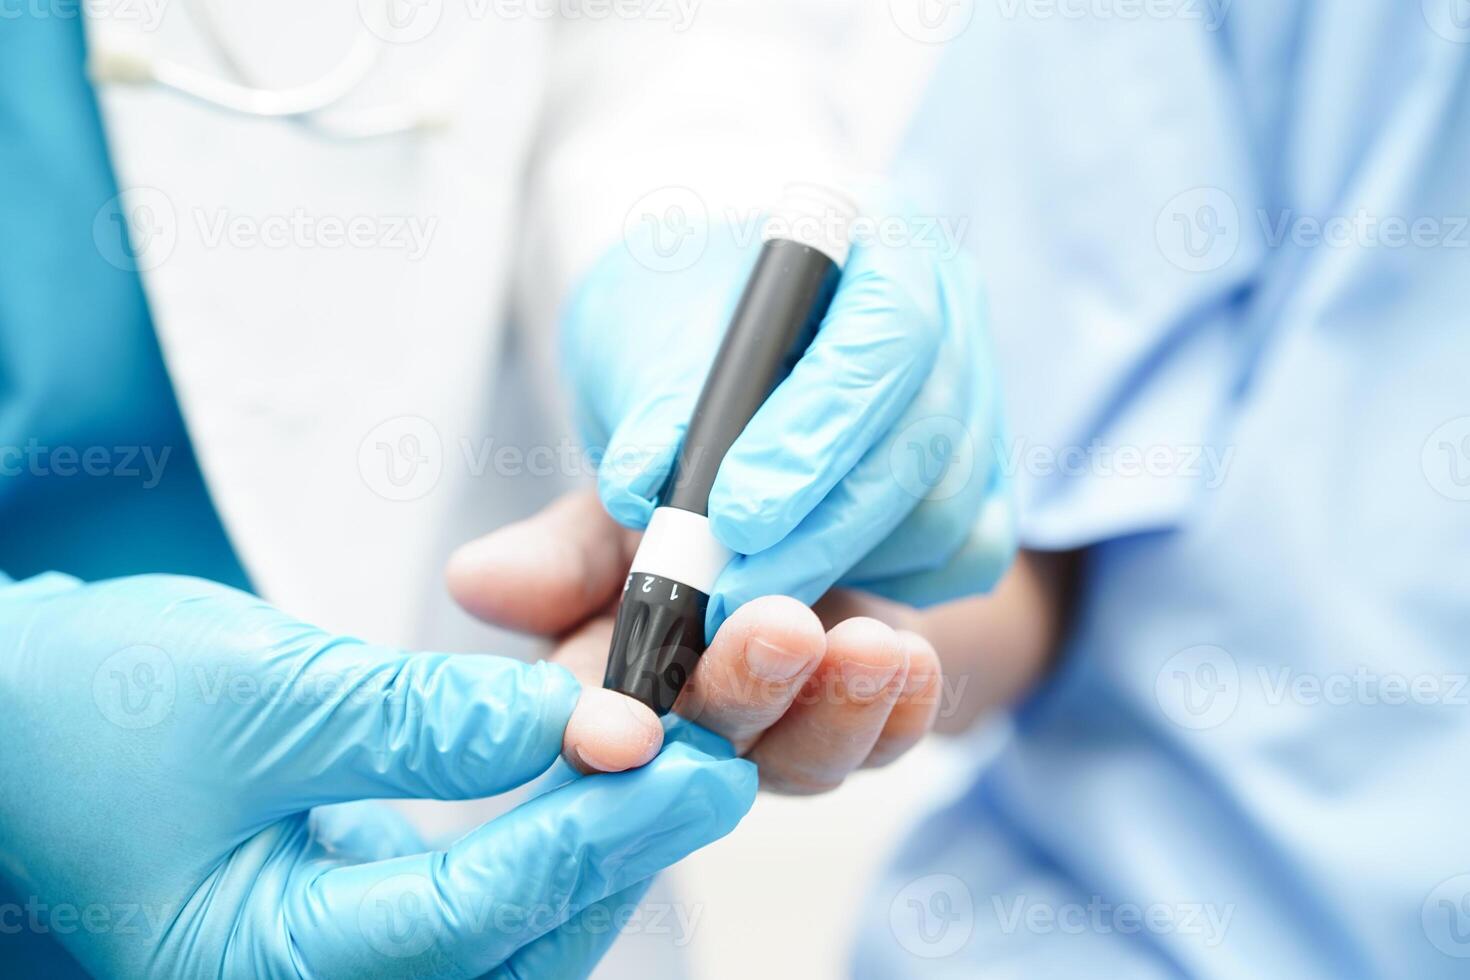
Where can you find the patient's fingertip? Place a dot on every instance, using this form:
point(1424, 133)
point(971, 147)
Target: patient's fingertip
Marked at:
point(925, 672)
point(610, 732)
point(787, 622)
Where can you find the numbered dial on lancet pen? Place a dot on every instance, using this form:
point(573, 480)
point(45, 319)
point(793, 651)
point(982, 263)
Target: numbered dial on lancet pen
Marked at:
point(653, 585)
point(657, 641)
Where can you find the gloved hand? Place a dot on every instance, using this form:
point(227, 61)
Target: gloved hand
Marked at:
point(873, 465)
point(163, 742)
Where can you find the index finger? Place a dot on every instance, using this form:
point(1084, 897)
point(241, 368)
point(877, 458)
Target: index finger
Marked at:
point(547, 574)
point(753, 669)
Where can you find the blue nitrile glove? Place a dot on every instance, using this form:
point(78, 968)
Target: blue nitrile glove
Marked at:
point(164, 740)
point(875, 464)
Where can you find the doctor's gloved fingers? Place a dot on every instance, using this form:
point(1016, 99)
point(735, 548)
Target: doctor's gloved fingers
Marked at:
point(870, 359)
point(373, 724)
point(469, 909)
point(753, 669)
point(640, 455)
point(899, 512)
point(575, 948)
point(547, 574)
point(364, 830)
point(841, 712)
point(859, 513)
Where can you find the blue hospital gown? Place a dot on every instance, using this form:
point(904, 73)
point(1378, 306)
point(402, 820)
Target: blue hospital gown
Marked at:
point(1229, 249)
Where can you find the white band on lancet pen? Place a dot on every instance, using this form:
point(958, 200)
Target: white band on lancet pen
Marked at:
point(660, 635)
point(680, 546)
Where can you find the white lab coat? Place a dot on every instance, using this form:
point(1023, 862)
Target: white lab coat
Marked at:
point(346, 402)
point(290, 350)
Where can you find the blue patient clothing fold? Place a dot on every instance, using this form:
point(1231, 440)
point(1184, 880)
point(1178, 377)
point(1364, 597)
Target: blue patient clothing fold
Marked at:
point(97, 475)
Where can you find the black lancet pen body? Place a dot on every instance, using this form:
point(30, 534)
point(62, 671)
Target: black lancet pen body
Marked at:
point(660, 633)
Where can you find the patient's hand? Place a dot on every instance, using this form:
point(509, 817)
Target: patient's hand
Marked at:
point(807, 695)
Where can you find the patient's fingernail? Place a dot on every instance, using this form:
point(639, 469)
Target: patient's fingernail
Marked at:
point(771, 663)
point(610, 732)
point(864, 682)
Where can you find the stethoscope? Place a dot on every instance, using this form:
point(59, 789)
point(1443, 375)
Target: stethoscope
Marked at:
point(304, 104)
